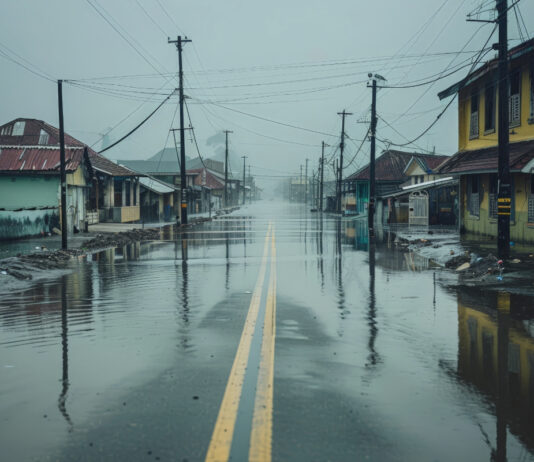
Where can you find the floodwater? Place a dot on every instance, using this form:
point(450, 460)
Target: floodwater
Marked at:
point(376, 357)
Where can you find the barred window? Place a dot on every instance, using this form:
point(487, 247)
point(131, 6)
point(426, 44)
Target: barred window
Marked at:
point(489, 108)
point(473, 121)
point(514, 103)
point(473, 199)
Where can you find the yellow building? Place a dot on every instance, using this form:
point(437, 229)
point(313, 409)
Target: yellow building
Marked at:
point(477, 158)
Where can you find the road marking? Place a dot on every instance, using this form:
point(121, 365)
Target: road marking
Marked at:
point(262, 421)
point(221, 439)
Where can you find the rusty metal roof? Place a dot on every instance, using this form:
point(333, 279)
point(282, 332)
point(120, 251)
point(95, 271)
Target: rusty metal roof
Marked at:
point(205, 178)
point(513, 53)
point(104, 165)
point(391, 164)
point(38, 159)
point(486, 160)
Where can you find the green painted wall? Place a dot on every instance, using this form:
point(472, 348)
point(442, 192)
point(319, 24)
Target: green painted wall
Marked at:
point(26, 223)
point(18, 192)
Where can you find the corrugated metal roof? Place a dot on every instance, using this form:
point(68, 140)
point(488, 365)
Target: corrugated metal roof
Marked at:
point(156, 186)
point(391, 164)
point(104, 165)
point(513, 53)
point(486, 160)
point(38, 159)
point(205, 178)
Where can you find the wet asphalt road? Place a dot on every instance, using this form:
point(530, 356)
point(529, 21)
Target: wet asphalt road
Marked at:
point(269, 334)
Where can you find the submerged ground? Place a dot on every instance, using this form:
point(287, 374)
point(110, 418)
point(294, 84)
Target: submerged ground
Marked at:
point(346, 352)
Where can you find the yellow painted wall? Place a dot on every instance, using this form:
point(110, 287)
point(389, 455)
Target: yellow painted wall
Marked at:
point(129, 214)
point(520, 229)
point(524, 131)
point(77, 178)
point(488, 325)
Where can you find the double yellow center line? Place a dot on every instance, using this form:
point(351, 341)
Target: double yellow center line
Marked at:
point(261, 430)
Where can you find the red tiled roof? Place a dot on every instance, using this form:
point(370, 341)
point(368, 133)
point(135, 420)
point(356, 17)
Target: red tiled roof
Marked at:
point(210, 181)
point(391, 164)
point(484, 160)
point(38, 159)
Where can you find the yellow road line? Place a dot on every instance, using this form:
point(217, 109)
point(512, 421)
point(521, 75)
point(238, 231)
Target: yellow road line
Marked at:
point(221, 440)
point(262, 421)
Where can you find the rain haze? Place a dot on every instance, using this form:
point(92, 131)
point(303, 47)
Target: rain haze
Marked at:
point(297, 63)
point(158, 301)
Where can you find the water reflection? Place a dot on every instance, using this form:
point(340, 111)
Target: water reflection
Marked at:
point(496, 355)
point(339, 273)
point(184, 308)
point(62, 405)
point(320, 257)
point(373, 357)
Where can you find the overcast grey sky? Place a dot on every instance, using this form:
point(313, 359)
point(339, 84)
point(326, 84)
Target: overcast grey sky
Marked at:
point(298, 62)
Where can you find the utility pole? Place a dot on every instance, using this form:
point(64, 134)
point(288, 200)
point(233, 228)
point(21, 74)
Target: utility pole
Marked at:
point(322, 178)
point(250, 182)
point(313, 202)
point(372, 179)
point(244, 190)
point(306, 183)
point(183, 179)
point(226, 170)
point(341, 149)
point(300, 184)
point(63, 176)
point(504, 200)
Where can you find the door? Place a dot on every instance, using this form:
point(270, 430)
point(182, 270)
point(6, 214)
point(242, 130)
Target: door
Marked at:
point(418, 208)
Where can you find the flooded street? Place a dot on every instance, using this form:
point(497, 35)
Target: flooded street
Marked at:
point(268, 331)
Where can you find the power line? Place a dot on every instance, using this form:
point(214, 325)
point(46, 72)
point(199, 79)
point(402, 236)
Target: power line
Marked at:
point(450, 102)
point(115, 28)
point(38, 72)
point(194, 136)
point(137, 126)
point(274, 121)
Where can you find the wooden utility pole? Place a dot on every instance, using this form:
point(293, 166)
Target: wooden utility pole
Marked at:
point(322, 178)
point(244, 189)
point(250, 182)
point(183, 178)
point(341, 149)
point(504, 200)
point(63, 175)
point(226, 170)
point(306, 183)
point(372, 179)
point(300, 184)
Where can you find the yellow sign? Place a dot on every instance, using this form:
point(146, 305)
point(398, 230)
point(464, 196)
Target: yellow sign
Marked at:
point(504, 199)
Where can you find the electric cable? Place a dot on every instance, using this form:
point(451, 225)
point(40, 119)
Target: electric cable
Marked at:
point(137, 126)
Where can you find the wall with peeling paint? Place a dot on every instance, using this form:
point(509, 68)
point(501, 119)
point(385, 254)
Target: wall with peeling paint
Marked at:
point(25, 223)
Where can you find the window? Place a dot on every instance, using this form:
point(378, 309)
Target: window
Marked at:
point(473, 199)
point(489, 108)
point(6, 130)
point(18, 128)
point(43, 137)
point(473, 121)
point(514, 102)
point(421, 178)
